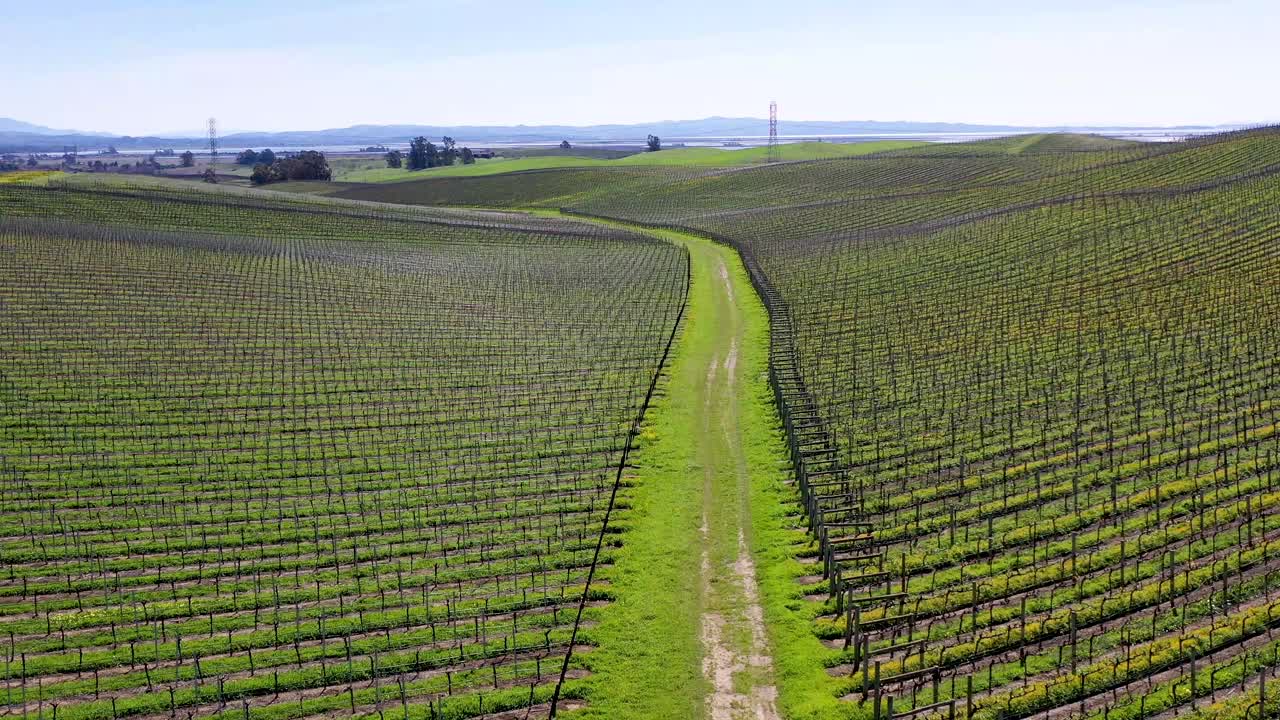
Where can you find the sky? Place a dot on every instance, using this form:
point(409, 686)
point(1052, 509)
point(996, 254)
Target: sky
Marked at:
point(135, 67)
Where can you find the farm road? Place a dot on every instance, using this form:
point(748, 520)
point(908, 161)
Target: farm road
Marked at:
point(736, 662)
point(686, 636)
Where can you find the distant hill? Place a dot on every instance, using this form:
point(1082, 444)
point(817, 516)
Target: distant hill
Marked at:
point(667, 129)
point(46, 142)
point(9, 125)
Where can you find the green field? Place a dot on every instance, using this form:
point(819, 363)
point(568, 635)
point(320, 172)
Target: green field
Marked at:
point(979, 430)
point(376, 171)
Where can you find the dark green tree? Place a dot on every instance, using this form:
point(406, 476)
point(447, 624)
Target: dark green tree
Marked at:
point(564, 145)
point(306, 165)
point(394, 159)
point(266, 156)
point(188, 159)
point(468, 158)
point(654, 143)
point(247, 157)
point(262, 174)
point(418, 153)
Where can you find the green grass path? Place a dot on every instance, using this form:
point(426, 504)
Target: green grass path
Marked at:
point(707, 620)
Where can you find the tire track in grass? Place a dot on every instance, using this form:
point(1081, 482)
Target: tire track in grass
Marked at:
point(688, 634)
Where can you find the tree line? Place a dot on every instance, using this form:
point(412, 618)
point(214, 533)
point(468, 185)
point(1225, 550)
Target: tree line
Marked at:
point(252, 157)
point(306, 165)
point(425, 154)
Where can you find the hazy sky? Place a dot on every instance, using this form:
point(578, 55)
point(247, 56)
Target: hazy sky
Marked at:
point(136, 67)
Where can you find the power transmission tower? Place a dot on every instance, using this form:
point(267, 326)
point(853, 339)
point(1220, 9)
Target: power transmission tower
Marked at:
point(213, 142)
point(773, 131)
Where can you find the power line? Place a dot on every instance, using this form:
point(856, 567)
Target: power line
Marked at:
point(773, 131)
point(213, 141)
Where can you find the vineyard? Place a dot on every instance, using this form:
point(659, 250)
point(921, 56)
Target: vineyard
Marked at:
point(269, 457)
point(276, 456)
point(1030, 387)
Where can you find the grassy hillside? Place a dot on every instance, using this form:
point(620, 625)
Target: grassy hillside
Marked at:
point(1030, 143)
point(375, 171)
point(1059, 142)
point(716, 157)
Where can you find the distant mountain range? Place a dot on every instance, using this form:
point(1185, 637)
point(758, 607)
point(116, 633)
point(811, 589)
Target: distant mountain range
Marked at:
point(17, 136)
point(715, 127)
point(9, 125)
